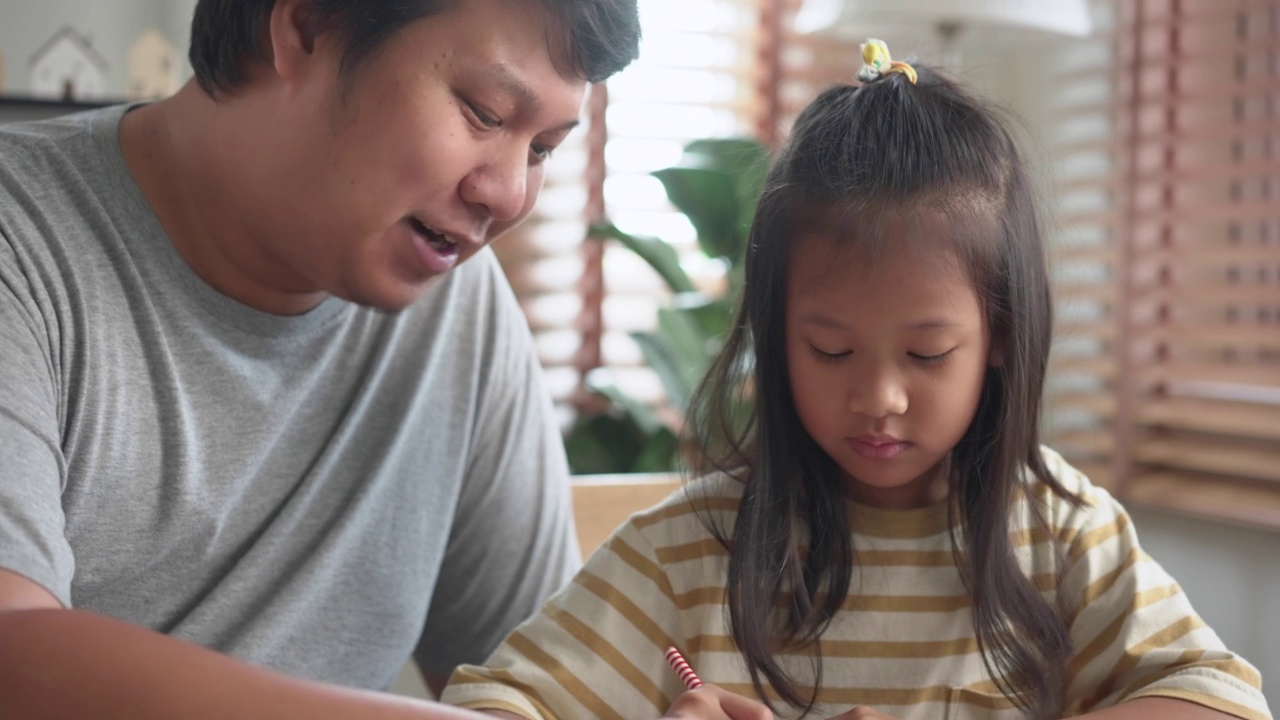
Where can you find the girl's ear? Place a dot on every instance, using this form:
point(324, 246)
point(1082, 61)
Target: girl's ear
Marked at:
point(995, 352)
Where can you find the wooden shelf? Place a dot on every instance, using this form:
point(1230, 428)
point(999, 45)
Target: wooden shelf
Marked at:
point(1103, 367)
point(1184, 371)
point(1097, 443)
point(1249, 420)
point(1101, 404)
point(1258, 461)
point(1207, 497)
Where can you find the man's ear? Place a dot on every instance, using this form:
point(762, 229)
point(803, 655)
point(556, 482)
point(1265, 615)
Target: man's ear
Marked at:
point(290, 42)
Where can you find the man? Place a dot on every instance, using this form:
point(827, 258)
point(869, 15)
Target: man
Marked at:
point(267, 428)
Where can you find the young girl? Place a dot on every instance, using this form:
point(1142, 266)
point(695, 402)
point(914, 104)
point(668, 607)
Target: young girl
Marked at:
point(886, 538)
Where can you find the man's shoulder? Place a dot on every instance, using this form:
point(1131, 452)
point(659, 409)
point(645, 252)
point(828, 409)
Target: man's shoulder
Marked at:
point(50, 168)
point(32, 148)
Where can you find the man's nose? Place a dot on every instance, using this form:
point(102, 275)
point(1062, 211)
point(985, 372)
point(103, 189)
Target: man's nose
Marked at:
point(499, 185)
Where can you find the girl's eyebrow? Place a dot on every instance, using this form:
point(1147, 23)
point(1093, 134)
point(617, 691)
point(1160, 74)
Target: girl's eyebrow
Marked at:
point(817, 317)
point(933, 324)
point(821, 319)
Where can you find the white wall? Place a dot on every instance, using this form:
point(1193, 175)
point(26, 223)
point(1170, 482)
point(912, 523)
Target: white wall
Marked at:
point(1232, 576)
point(110, 25)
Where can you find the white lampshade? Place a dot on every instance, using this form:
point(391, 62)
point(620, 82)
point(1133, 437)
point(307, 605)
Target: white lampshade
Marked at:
point(1058, 17)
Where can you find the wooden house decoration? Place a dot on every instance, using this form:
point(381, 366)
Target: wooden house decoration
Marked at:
point(154, 67)
point(67, 67)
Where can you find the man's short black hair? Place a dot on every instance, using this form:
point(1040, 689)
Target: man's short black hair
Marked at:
point(601, 36)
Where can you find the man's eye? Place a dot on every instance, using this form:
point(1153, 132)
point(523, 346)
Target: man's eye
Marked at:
point(482, 117)
point(540, 153)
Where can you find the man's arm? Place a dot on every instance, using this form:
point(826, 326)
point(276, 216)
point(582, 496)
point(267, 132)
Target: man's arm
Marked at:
point(64, 663)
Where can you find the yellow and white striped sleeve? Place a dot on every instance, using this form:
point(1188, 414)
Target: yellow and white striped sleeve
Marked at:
point(596, 649)
point(1134, 633)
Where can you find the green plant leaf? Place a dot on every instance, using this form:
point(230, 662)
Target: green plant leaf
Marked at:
point(744, 162)
point(605, 443)
point(660, 256)
point(713, 315)
point(708, 198)
point(658, 454)
point(743, 159)
point(664, 361)
point(600, 381)
point(689, 343)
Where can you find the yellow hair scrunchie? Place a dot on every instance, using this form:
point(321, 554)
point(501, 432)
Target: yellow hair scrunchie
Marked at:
point(876, 62)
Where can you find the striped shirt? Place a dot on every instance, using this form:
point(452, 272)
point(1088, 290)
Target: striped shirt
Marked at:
point(904, 640)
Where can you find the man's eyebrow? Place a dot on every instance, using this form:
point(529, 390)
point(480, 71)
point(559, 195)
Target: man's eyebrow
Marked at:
point(513, 85)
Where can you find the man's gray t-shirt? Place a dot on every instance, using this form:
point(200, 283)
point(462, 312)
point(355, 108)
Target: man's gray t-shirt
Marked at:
point(316, 494)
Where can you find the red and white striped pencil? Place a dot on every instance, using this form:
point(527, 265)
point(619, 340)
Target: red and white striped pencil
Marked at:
point(686, 673)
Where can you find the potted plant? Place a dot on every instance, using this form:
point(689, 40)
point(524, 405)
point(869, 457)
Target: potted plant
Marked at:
point(716, 185)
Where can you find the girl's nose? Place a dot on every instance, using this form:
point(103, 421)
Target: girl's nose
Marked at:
point(878, 395)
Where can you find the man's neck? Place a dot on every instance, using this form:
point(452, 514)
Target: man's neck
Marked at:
point(183, 158)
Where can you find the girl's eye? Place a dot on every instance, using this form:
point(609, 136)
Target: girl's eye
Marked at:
point(827, 357)
point(931, 359)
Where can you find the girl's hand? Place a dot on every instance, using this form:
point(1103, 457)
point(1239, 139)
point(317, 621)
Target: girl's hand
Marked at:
point(862, 712)
point(712, 703)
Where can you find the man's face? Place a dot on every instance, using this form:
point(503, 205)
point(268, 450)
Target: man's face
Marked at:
point(428, 151)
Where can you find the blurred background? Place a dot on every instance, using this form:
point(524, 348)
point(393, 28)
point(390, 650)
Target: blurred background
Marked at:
point(1152, 130)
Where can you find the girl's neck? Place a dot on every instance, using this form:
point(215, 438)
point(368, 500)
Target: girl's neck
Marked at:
point(927, 490)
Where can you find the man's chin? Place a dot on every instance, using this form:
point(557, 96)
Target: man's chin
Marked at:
point(390, 300)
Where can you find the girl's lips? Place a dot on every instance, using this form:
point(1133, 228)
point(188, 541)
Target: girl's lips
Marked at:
point(878, 449)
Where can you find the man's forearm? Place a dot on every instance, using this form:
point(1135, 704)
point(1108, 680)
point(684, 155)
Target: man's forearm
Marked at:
point(63, 663)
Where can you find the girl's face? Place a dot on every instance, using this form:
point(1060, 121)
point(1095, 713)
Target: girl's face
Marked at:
point(886, 364)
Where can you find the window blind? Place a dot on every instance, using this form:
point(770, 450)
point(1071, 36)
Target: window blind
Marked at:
point(1168, 381)
point(693, 80)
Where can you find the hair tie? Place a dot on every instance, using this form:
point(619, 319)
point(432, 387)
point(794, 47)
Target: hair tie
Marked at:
point(876, 63)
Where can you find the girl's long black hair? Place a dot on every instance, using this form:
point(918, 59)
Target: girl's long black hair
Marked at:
point(856, 156)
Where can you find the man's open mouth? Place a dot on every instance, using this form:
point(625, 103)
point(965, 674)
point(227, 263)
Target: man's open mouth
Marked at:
point(437, 240)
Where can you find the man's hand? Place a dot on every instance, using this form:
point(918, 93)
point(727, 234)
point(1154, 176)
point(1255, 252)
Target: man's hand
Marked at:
point(712, 703)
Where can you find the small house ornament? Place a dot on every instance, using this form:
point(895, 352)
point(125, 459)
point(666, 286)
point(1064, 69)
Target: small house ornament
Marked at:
point(154, 67)
point(67, 67)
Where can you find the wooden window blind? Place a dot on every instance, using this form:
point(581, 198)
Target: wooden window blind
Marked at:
point(1166, 383)
point(1084, 234)
point(692, 81)
point(808, 64)
point(546, 261)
